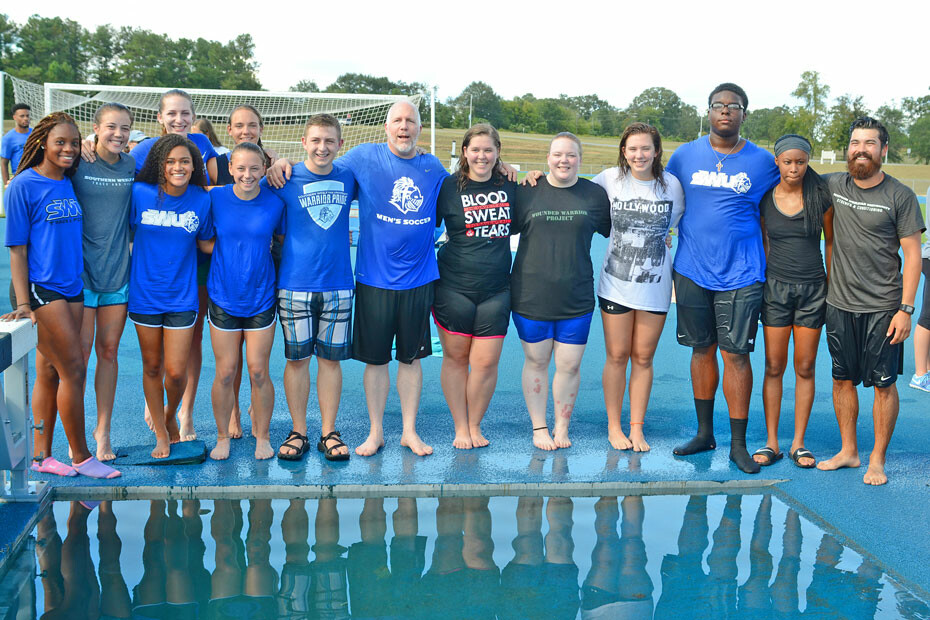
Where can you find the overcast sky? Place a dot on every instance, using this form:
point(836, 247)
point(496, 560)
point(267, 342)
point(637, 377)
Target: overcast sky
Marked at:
point(874, 49)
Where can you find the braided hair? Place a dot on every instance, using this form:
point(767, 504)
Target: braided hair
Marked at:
point(153, 171)
point(34, 151)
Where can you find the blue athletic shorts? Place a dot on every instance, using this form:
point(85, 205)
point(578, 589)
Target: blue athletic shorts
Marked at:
point(93, 299)
point(566, 331)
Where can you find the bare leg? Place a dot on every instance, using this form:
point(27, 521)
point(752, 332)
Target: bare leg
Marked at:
point(806, 341)
point(646, 331)
point(235, 417)
point(846, 404)
point(258, 351)
point(776, 360)
point(377, 382)
point(44, 406)
point(409, 387)
point(885, 414)
point(153, 374)
point(329, 392)
point(618, 339)
point(536, 358)
point(921, 349)
point(226, 353)
point(453, 376)
point(195, 361)
point(565, 388)
point(297, 391)
point(482, 379)
point(110, 323)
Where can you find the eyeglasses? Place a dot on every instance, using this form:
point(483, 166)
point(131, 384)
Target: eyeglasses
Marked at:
point(732, 107)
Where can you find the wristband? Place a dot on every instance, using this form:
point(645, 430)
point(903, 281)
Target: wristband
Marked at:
point(20, 305)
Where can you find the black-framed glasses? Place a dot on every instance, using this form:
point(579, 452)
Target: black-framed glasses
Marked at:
point(732, 107)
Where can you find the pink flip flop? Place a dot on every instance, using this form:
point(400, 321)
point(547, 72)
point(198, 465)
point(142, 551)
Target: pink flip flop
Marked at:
point(92, 468)
point(49, 465)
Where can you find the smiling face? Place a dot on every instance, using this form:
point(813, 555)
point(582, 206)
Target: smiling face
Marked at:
point(403, 129)
point(564, 160)
point(176, 115)
point(244, 126)
point(864, 158)
point(247, 169)
point(726, 122)
point(640, 153)
point(321, 143)
point(792, 166)
point(481, 155)
point(113, 132)
point(179, 166)
point(62, 148)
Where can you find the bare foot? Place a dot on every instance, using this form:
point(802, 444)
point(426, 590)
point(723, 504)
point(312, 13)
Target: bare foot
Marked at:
point(637, 439)
point(875, 474)
point(416, 445)
point(618, 440)
point(477, 439)
point(839, 461)
point(543, 440)
point(235, 424)
point(560, 433)
point(162, 448)
point(371, 445)
point(104, 449)
point(221, 451)
point(174, 433)
point(148, 419)
point(187, 432)
point(462, 442)
point(263, 449)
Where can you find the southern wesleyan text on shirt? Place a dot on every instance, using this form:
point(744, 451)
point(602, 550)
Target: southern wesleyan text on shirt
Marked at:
point(487, 214)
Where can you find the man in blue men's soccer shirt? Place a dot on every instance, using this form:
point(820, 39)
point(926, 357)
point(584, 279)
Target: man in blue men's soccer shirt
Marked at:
point(720, 265)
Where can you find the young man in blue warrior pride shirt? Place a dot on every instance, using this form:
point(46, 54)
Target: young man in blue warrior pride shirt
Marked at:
point(13, 142)
point(395, 267)
point(720, 265)
point(315, 285)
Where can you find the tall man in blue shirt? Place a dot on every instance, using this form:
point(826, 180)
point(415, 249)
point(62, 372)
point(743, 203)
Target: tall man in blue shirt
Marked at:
point(720, 265)
point(13, 142)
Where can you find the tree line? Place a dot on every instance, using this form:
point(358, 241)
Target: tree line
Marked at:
point(52, 49)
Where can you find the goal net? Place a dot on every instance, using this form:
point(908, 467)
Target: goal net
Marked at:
point(283, 113)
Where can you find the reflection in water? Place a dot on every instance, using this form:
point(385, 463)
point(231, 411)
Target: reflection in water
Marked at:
point(631, 567)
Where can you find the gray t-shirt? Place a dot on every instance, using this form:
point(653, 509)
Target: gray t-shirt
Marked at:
point(865, 274)
point(104, 192)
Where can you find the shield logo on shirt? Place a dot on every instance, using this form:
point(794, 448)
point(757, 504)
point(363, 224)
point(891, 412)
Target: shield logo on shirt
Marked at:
point(323, 201)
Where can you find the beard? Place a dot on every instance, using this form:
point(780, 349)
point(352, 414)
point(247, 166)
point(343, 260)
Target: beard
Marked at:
point(862, 170)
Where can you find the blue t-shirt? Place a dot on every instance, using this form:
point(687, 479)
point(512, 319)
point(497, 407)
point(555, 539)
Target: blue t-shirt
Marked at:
point(141, 151)
point(719, 238)
point(316, 230)
point(163, 270)
point(44, 215)
point(397, 216)
point(12, 149)
point(241, 278)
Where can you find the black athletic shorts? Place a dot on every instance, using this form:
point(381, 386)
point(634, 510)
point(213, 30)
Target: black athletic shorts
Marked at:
point(729, 319)
point(40, 296)
point(612, 307)
point(924, 319)
point(860, 349)
point(476, 315)
point(384, 317)
point(167, 320)
point(794, 303)
point(225, 322)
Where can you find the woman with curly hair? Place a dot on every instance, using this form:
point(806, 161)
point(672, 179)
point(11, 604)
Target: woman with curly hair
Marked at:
point(170, 215)
point(43, 232)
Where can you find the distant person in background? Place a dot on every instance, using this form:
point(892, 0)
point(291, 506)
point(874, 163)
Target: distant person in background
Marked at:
point(204, 126)
point(869, 301)
point(14, 140)
point(794, 214)
point(720, 266)
point(104, 190)
point(552, 283)
point(635, 286)
point(921, 378)
point(43, 232)
point(471, 302)
point(135, 137)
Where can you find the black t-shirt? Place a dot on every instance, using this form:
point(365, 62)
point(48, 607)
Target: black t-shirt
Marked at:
point(477, 256)
point(794, 254)
point(222, 170)
point(552, 275)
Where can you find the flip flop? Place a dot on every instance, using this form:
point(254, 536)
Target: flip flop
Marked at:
point(300, 448)
point(329, 452)
point(801, 453)
point(769, 454)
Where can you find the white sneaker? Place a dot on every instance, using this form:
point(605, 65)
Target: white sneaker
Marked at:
point(921, 382)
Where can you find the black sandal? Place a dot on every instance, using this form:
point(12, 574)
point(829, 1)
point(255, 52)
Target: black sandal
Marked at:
point(329, 452)
point(300, 448)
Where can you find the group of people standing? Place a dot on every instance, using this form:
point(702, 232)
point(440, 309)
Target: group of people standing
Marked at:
point(274, 242)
